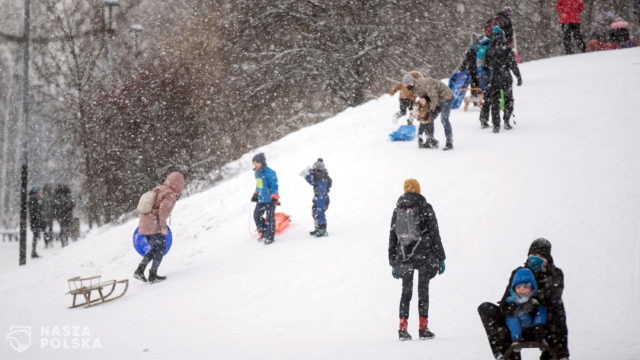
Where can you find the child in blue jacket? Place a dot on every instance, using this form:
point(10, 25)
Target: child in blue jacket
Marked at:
point(319, 178)
point(526, 317)
point(266, 196)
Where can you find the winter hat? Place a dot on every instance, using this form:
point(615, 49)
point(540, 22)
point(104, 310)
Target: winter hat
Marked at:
point(407, 79)
point(319, 165)
point(507, 10)
point(541, 246)
point(524, 276)
point(411, 186)
point(260, 159)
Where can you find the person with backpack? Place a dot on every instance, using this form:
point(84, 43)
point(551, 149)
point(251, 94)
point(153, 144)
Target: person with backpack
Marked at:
point(266, 198)
point(153, 225)
point(501, 62)
point(319, 178)
point(569, 11)
point(414, 244)
point(440, 99)
point(36, 219)
point(550, 282)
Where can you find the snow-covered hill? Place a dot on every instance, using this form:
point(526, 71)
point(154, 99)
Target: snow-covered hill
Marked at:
point(568, 171)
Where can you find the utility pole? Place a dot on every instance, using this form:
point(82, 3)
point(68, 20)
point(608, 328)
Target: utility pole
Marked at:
point(24, 170)
point(137, 29)
point(110, 34)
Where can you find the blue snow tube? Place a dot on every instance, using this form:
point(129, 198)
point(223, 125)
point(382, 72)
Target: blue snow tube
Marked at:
point(142, 246)
point(404, 133)
point(459, 80)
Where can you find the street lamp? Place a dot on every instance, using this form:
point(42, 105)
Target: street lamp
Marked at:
point(137, 29)
point(110, 32)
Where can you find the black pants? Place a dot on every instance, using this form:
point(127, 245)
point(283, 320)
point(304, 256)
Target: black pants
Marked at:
point(158, 245)
point(404, 105)
point(407, 293)
point(492, 103)
point(266, 225)
point(500, 339)
point(572, 32)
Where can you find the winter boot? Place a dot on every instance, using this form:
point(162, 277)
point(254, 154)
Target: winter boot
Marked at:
point(431, 143)
point(403, 334)
point(320, 231)
point(268, 241)
point(425, 333)
point(154, 277)
point(139, 273)
point(448, 146)
point(34, 255)
point(483, 124)
point(496, 129)
point(507, 126)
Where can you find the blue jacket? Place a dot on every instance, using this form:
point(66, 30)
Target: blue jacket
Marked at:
point(528, 312)
point(321, 186)
point(266, 184)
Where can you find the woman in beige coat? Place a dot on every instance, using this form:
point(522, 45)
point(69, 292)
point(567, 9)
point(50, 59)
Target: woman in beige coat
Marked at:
point(153, 225)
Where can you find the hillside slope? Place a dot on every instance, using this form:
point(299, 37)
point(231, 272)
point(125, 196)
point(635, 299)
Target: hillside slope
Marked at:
point(568, 172)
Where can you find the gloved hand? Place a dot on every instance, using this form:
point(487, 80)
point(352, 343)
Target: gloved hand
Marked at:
point(393, 273)
point(304, 172)
point(276, 199)
point(441, 267)
point(254, 197)
point(519, 81)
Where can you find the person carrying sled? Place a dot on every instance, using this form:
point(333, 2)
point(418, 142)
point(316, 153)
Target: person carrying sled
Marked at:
point(550, 282)
point(569, 11)
point(500, 62)
point(153, 225)
point(36, 219)
point(266, 198)
point(439, 98)
point(415, 245)
point(319, 178)
point(407, 96)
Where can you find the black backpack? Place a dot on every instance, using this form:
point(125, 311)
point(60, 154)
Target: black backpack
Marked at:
point(407, 229)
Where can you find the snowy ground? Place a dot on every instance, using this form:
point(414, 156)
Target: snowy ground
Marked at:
point(568, 172)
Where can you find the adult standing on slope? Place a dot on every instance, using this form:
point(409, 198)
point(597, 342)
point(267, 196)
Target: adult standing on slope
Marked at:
point(501, 62)
point(414, 244)
point(502, 19)
point(266, 196)
point(550, 281)
point(440, 99)
point(153, 225)
point(569, 11)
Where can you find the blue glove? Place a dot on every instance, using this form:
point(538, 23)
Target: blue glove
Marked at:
point(441, 267)
point(393, 273)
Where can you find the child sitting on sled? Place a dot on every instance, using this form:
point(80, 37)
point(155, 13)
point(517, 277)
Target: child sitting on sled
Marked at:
point(525, 317)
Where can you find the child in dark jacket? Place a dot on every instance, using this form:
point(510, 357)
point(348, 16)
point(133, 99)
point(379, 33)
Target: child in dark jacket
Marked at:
point(525, 317)
point(319, 178)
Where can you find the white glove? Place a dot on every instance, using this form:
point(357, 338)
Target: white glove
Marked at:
point(304, 172)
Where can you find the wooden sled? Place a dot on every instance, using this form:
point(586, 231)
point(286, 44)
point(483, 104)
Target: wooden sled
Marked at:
point(477, 100)
point(530, 345)
point(86, 286)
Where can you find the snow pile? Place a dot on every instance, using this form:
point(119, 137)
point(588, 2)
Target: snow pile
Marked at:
point(568, 172)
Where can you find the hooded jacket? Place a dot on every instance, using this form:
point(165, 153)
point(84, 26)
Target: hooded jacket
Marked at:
point(166, 197)
point(430, 249)
point(435, 90)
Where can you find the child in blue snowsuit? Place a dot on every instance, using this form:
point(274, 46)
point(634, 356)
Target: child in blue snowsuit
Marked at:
point(319, 178)
point(266, 196)
point(527, 317)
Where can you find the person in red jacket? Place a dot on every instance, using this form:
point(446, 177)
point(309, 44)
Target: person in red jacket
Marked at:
point(569, 11)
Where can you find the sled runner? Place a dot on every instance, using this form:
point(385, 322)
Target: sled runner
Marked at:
point(86, 286)
point(530, 345)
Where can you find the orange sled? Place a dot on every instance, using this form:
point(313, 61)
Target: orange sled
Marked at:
point(282, 221)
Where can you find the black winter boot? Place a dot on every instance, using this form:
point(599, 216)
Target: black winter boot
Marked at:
point(448, 146)
point(154, 277)
point(496, 129)
point(507, 126)
point(426, 334)
point(483, 124)
point(139, 273)
point(404, 335)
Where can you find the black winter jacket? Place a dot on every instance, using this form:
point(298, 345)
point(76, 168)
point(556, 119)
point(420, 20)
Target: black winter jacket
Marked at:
point(501, 62)
point(430, 249)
